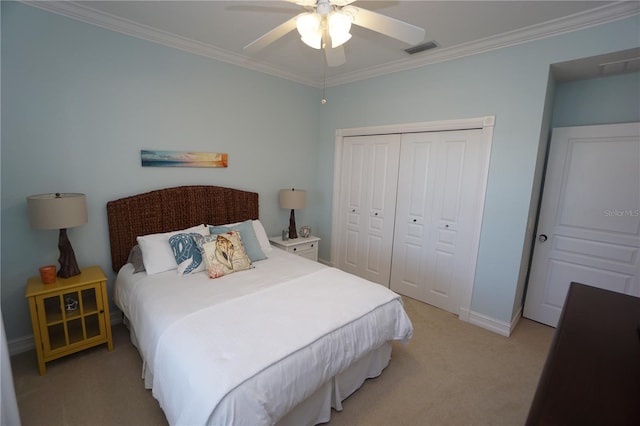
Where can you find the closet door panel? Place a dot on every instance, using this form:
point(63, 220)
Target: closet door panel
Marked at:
point(450, 180)
point(416, 183)
point(353, 176)
point(369, 176)
point(350, 252)
point(414, 175)
point(439, 286)
point(383, 175)
point(375, 264)
point(438, 192)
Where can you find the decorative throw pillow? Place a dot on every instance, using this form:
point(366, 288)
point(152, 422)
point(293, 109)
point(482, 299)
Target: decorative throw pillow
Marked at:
point(223, 254)
point(248, 235)
point(186, 252)
point(156, 251)
point(201, 241)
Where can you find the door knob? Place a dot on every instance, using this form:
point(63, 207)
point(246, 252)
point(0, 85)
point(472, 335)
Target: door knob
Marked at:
point(542, 238)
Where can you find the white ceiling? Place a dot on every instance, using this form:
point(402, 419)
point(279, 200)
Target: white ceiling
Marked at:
point(220, 29)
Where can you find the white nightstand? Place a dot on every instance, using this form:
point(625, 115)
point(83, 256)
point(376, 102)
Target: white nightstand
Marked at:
point(305, 247)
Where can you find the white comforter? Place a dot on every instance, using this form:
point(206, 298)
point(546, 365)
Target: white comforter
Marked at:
point(257, 333)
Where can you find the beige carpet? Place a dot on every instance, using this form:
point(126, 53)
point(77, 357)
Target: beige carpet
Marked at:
point(451, 373)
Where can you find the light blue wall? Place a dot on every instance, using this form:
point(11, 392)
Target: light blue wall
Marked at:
point(80, 102)
point(540, 161)
point(604, 100)
point(510, 83)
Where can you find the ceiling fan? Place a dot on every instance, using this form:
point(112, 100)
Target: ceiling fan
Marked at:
point(326, 24)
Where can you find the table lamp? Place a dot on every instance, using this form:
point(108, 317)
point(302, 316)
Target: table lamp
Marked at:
point(59, 211)
point(292, 199)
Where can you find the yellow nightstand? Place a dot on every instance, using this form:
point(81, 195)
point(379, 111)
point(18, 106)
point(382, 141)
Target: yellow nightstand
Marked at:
point(69, 315)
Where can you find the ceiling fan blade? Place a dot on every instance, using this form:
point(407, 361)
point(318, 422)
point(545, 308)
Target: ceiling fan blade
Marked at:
point(341, 3)
point(273, 35)
point(386, 25)
point(303, 3)
point(335, 56)
point(314, 3)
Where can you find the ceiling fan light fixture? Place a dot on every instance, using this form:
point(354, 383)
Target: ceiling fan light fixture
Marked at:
point(339, 27)
point(308, 25)
point(314, 41)
point(332, 19)
point(339, 40)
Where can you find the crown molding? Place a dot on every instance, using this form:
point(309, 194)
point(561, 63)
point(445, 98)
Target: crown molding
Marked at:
point(594, 17)
point(121, 25)
point(591, 18)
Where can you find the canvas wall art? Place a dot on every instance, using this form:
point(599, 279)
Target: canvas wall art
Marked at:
point(157, 158)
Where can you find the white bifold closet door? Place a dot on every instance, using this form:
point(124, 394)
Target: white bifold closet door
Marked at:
point(439, 196)
point(368, 201)
point(410, 211)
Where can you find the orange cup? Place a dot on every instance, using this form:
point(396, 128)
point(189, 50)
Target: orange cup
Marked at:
point(48, 274)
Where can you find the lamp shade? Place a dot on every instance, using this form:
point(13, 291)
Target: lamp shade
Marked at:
point(293, 198)
point(57, 211)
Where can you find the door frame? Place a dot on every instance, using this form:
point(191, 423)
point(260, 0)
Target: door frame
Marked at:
point(485, 123)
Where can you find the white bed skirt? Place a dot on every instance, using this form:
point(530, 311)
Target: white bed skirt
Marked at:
point(317, 408)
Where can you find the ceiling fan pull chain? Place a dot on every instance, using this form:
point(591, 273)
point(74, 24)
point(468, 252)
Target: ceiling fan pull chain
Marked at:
point(324, 76)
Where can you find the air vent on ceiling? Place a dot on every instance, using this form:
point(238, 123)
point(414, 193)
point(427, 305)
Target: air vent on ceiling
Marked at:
point(421, 47)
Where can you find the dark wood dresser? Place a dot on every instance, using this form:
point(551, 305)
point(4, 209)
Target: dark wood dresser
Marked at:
point(592, 372)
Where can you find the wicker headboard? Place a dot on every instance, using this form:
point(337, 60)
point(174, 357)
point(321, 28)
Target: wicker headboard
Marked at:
point(172, 209)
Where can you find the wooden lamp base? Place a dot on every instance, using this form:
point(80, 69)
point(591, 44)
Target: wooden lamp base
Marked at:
point(292, 226)
point(68, 264)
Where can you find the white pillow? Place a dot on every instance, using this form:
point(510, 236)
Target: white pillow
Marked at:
point(157, 254)
point(261, 234)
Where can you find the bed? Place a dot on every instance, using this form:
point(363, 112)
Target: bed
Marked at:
point(282, 341)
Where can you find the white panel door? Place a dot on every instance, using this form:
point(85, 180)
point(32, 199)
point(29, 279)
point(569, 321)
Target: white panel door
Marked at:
point(367, 205)
point(589, 225)
point(438, 209)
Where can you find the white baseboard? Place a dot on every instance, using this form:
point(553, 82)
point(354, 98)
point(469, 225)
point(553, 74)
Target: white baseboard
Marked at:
point(516, 319)
point(325, 262)
point(20, 345)
point(500, 327)
point(26, 343)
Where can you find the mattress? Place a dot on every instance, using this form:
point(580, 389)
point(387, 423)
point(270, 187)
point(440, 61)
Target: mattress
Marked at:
point(250, 347)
